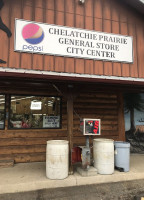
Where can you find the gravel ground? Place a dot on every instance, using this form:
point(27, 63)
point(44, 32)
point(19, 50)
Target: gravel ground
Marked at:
point(129, 190)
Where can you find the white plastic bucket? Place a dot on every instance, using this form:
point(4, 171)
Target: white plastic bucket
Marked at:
point(103, 154)
point(57, 159)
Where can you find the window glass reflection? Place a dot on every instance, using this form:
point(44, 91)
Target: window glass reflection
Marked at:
point(34, 112)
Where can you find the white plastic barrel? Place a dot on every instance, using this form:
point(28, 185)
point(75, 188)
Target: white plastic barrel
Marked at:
point(57, 159)
point(103, 154)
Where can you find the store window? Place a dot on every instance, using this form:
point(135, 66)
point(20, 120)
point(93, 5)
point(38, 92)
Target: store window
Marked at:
point(34, 112)
point(2, 111)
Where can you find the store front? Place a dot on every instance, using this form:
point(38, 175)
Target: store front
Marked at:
point(30, 117)
point(65, 62)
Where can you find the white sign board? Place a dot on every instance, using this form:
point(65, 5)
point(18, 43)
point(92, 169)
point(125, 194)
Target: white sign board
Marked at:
point(36, 105)
point(51, 122)
point(42, 38)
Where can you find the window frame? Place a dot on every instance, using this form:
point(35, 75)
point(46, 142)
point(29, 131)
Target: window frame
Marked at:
point(4, 111)
point(60, 127)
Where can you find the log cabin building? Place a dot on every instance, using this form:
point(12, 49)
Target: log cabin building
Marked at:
point(44, 94)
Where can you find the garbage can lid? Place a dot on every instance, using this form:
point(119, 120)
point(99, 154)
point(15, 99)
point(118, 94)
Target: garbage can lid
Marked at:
point(103, 140)
point(121, 144)
point(57, 142)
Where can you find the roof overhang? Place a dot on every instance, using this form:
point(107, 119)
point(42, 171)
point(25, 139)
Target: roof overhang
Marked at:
point(17, 78)
point(64, 77)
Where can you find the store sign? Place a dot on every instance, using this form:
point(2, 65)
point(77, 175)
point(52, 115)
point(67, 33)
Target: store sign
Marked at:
point(36, 105)
point(51, 121)
point(32, 37)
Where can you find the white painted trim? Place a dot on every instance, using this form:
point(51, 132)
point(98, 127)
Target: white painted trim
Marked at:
point(74, 75)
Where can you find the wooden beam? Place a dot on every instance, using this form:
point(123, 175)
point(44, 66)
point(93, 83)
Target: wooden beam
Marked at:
point(6, 163)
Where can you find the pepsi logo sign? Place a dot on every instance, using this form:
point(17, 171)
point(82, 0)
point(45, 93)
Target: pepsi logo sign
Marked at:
point(33, 33)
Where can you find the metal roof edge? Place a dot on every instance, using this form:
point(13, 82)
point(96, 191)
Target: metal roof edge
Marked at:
point(12, 72)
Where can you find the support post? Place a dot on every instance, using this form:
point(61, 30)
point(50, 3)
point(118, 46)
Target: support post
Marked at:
point(70, 127)
point(87, 141)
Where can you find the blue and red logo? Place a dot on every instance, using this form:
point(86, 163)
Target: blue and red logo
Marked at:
point(32, 33)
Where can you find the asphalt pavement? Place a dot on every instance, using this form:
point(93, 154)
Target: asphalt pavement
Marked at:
point(128, 190)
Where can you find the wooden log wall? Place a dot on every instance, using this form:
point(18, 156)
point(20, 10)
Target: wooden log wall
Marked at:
point(29, 145)
point(99, 106)
point(109, 16)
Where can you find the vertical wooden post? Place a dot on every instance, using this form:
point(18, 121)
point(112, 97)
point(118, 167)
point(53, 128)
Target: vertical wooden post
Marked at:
point(70, 127)
point(7, 100)
point(121, 123)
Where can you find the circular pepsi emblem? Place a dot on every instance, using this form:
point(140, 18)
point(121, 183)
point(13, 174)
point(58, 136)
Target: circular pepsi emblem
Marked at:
point(32, 33)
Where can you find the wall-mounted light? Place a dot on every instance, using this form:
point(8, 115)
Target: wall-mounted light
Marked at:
point(81, 2)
